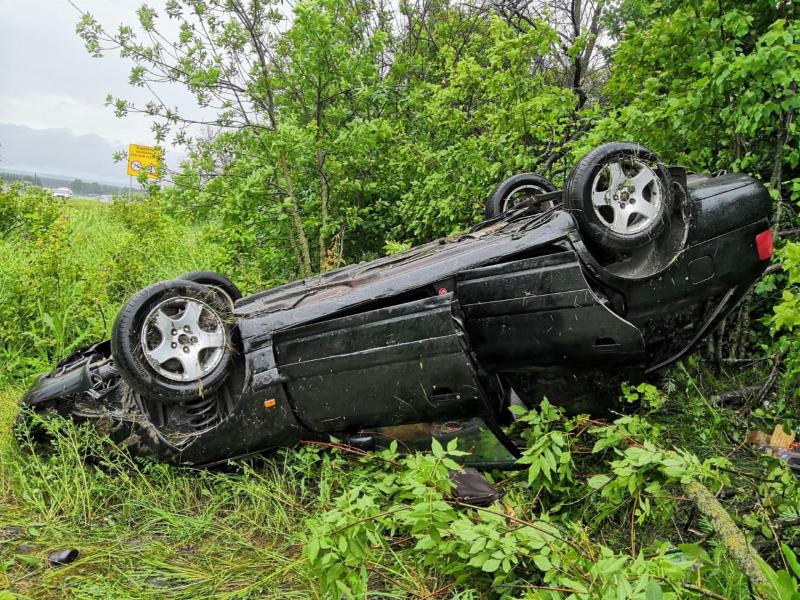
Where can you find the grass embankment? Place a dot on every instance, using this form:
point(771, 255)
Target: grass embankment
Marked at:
point(143, 530)
point(274, 527)
point(137, 526)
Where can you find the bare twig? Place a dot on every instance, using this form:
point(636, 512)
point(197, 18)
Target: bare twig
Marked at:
point(787, 523)
point(704, 591)
point(774, 268)
point(768, 384)
point(788, 232)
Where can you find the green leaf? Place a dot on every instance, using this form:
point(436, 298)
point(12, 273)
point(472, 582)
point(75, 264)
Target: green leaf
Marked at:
point(313, 549)
point(517, 410)
point(479, 559)
point(791, 560)
point(507, 565)
point(696, 553)
point(542, 563)
point(477, 545)
point(436, 448)
point(598, 481)
point(451, 464)
point(653, 591)
point(786, 585)
point(491, 565)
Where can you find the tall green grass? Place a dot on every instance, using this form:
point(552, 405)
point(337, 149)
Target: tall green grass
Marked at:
point(144, 530)
point(62, 284)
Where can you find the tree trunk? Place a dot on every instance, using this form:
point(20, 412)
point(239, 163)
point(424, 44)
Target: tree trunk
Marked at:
point(295, 248)
point(577, 64)
point(302, 239)
point(323, 186)
point(268, 104)
point(777, 164)
point(739, 343)
point(594, 30)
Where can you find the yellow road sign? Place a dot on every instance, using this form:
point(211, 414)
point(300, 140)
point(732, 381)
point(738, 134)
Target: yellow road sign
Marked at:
point(143, 158)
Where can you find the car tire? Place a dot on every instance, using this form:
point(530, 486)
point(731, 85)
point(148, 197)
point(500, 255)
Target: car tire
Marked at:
point(215, 281)
point(503, 196)
point(173, 341)
point(621, 194)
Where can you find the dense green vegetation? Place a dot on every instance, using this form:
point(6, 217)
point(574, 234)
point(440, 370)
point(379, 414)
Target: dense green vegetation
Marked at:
point(355, 130)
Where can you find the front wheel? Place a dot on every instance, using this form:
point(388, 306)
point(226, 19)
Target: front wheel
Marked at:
point(173, 341)
point(515, 189)
point(217, 282)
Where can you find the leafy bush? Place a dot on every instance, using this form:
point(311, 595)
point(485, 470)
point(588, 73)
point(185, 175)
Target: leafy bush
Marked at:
point(26, 211)
point(400, 509)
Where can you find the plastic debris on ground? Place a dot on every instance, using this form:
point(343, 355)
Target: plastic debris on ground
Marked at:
point(779, 444)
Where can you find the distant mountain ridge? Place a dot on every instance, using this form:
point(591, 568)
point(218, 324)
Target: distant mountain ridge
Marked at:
point(78, 186)
point(61, 153)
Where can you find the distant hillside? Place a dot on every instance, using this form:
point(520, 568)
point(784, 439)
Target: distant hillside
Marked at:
point(78, 186)
point(60, 151)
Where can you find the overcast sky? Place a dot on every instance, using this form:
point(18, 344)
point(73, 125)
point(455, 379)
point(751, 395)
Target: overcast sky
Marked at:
point(49, 82)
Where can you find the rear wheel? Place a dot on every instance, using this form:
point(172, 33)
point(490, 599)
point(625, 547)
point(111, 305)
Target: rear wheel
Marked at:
point(173, 341)
point(513, 190)
point(621, 194)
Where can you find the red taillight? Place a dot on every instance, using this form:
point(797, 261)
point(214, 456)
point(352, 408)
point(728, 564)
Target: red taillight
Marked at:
point(764, 244)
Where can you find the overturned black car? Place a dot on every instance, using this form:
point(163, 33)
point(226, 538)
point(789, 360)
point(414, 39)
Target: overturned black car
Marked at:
point(559, 293)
